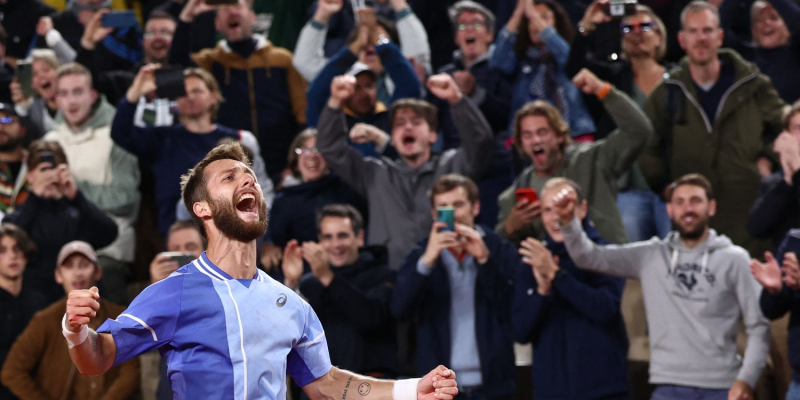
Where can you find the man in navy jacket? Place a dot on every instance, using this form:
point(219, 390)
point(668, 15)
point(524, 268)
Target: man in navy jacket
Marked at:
point(571, 316)
point(458, 285)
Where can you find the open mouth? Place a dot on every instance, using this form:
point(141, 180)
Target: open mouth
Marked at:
point(46, 85)
point(408, 140)
point(247, 204)
point(538, 151)
point(234, 24)
point(470, 40)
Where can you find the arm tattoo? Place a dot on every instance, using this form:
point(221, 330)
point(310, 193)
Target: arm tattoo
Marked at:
point(364, 388)
point(347, 386)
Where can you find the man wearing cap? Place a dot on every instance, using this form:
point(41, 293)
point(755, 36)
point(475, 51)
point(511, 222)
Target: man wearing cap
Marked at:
point(38, 364)
point(363, 111)
point(13, 187)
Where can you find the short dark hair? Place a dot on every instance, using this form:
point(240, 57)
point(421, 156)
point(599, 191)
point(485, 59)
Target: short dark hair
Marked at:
point(160, 14)
point(36, 149)
point(194, 183)
point(422, 108)
point(24, 242)
point(692, 180)
point(341, 211)
point(450, 182)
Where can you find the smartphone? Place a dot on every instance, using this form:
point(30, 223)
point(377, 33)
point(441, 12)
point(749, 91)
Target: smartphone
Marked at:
point(181, 258)
point(791, 243)
point(619, 8)
point(24, 76)
point(119, 20)
point(47, 156)
point(446, 215)
point(527, 194)
point(169, 83)
point(221, 2)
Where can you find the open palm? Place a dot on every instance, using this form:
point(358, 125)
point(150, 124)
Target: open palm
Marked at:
point(768, 274)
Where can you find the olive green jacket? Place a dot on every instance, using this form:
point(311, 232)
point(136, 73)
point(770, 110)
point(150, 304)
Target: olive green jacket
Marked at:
point(595, 167)
point(748, 119)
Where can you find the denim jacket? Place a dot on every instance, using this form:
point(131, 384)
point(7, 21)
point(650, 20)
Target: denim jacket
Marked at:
point(523, 73)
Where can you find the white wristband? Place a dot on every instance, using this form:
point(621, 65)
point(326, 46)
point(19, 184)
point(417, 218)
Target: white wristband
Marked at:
point(405, 389)
point(73, 339)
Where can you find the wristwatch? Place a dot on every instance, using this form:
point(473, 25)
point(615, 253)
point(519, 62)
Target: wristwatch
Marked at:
point(382, 39)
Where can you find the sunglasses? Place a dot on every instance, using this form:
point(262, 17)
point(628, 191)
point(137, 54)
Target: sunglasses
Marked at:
point(307, 152)
point(642, 26)
point(7, 120)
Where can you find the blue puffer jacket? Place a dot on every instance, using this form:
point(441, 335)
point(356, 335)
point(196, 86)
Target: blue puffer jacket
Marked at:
point(523, 73)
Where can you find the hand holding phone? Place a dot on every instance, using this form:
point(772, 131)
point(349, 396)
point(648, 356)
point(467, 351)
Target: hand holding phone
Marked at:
point(528, 194)
point(119, 20)
point(24, 76)
point(446, 215)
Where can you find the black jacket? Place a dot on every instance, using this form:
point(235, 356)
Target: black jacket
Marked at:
point(16, 312)
point(776, 209)
point(428, 299)
point(53, 223)
point(19, 18)
point(354, 310)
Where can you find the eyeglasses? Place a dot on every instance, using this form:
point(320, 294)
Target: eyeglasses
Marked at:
point(642, 26)
point(7, 120)
point(476, 26)
point(165, 35)
point(306, 152)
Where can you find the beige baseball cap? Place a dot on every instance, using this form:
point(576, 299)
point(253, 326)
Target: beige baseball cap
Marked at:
point(79, 247)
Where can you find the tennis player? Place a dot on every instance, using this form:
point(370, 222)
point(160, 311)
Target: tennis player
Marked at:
point(226, 329)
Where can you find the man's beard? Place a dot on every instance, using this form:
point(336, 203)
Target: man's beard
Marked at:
point(229, 224)
point(11, 144)
point(692, 234)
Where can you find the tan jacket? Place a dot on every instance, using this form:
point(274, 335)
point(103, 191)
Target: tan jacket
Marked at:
point(38, 365)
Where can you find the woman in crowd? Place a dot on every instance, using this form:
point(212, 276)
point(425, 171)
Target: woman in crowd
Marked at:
point(41, 109)
point(533, 49)
point(310, 187)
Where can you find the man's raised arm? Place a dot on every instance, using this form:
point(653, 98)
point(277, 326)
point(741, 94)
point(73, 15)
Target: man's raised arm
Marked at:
point(93, 353)
point(439, 384)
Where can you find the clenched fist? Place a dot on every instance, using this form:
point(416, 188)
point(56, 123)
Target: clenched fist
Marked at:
point(588, 82)
point(82, 306)
point(342, 87)
point(444, 87)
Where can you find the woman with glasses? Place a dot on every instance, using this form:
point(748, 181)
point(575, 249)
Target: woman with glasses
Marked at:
point(532, 49)
point(310, 186)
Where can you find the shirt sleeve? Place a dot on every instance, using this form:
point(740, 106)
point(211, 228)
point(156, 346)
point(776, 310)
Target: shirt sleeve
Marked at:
point(309, 359)
point(149, 322)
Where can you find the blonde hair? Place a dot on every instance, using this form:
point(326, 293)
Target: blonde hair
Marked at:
point(661, 50)
point(46, 56)
point(544, 109)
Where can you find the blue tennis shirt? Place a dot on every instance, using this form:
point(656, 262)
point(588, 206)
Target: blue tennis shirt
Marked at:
point(223, 338)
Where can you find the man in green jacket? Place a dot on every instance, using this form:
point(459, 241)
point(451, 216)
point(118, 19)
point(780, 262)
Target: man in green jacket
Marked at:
point(541, 134)
point(713, 115)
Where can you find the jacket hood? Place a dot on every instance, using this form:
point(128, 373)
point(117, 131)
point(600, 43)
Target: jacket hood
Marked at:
point(712, 243)
point(102, 115)
point(743, 67)
point(261, 42)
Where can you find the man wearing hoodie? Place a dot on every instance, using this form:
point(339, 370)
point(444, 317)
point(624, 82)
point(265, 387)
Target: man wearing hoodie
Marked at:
point(106, 173)
point(263, 92)
point(696, 285)
point(349, 287)
point(572, 317)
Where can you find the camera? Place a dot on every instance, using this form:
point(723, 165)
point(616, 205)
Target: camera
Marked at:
point(620, 8)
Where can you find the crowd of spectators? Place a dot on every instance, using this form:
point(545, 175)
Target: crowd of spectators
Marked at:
point(567, 199)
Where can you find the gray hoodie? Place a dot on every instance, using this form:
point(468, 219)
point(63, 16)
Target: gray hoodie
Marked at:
point(694, 299)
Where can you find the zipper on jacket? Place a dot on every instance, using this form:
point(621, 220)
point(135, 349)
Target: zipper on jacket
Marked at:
point(722, 101)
